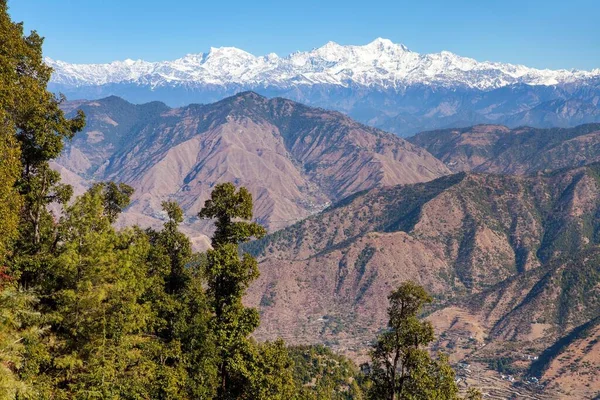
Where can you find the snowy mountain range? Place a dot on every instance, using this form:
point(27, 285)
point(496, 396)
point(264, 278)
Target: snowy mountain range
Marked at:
point(381, 83)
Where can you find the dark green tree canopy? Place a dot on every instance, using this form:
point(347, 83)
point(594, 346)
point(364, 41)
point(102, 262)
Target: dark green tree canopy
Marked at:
point(116, 198)
point(40, 124)
point(406, 301)
point(225, 206)
point(245, 370)
point(32, 116)
point(401, 367)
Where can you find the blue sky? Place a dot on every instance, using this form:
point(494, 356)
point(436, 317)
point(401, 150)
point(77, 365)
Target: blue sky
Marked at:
point(543, 34)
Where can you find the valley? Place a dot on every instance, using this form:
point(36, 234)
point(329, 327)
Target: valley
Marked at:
point(498, 224)
point(349, 222)
point(512, 262)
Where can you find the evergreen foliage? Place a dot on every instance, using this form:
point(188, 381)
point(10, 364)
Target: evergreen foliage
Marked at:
point(401, 367)
point(245, 369)
point(91, 312)
point(321, 374)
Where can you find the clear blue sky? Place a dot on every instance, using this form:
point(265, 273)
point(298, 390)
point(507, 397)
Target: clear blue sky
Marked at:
point(544, 34)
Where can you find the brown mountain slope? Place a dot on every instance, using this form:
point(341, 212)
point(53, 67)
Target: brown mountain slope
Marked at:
point(524, 150)
point(294, 159)
point(505, 257)
point(572, 365)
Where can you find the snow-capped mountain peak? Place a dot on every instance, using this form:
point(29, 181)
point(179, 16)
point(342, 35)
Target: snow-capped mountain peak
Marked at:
point(380, 63)
point(232, 52)
point(382, 44)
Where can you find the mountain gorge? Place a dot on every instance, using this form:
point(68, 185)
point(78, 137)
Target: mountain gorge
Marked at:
point(512, 261)
point(295, 160)
point(382, 84)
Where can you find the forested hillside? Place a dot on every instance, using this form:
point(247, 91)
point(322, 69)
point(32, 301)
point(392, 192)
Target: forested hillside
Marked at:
point(339, 261)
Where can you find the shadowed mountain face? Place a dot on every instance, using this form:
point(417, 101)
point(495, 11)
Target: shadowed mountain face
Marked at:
point(512, 261)
point(295, 159)
point(524, 150)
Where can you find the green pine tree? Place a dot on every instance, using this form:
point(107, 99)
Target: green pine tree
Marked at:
point(10, 199)
point(186, 353)
point(32, 127)
point(92, 294)
point(401, 367)
point(245, 370)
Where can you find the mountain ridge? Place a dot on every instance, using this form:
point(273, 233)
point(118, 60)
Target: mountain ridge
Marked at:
point(379, 63)
point(511, 260)
point(294, 159)
point(381, 84)
point(522, 150)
